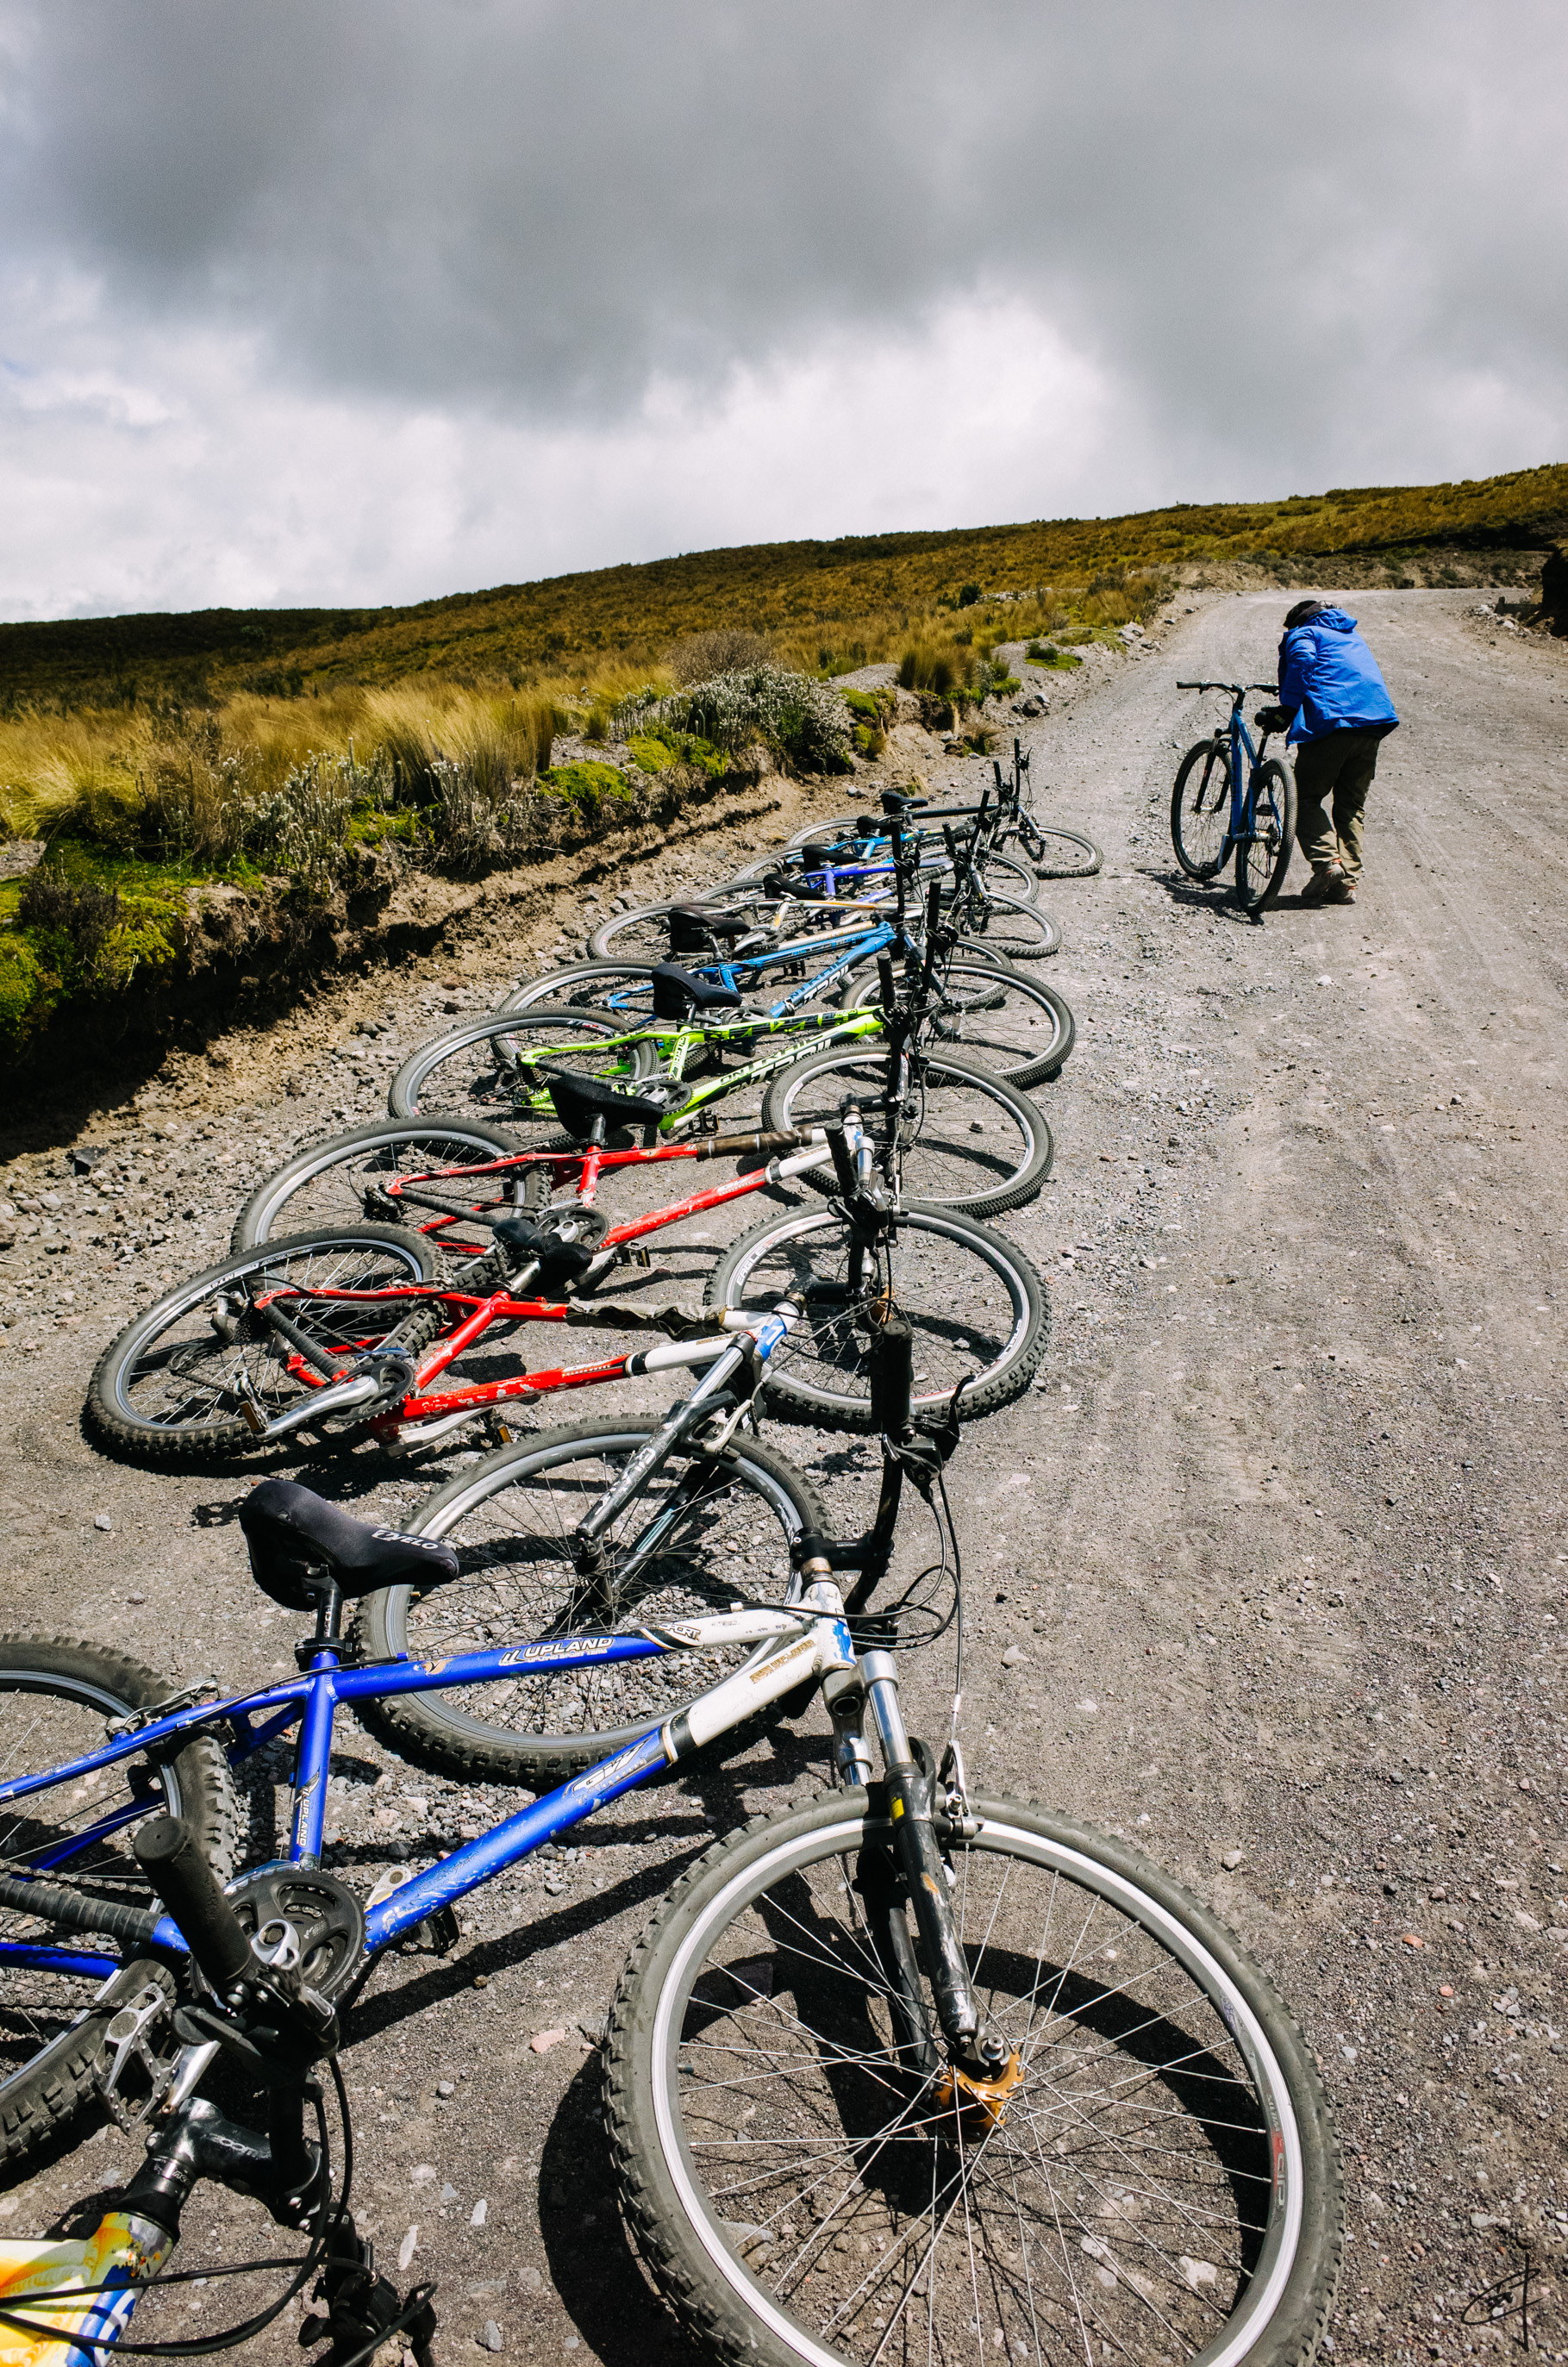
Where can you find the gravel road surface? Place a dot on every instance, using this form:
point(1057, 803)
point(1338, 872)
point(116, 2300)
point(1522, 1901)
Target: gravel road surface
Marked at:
point(1279, 1535)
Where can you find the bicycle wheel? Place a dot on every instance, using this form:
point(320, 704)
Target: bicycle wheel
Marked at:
point(173, 1383)
point(1200, 809)
point(972, 1141)
point(509, 1517)
point(1263, 860)
point(976, 1303)
point(496, 1067)
point(1019, 1027)
point(344, 1180)
point(1018, 931)
point(1064, 853)
point(1162, 2185)
point(55, 1696)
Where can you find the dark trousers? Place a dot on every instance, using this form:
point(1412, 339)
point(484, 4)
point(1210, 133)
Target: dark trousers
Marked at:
point(1333, 775)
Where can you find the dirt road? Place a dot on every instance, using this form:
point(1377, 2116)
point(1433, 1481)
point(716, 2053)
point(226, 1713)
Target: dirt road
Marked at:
point(1281, 1534)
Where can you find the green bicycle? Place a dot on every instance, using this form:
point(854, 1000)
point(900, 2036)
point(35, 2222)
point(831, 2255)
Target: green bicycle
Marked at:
point(983, 1146)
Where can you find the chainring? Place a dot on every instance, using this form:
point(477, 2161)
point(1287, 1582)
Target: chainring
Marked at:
point(324, 1915)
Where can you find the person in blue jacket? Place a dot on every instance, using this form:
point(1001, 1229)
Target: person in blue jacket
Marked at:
point(1340, 711)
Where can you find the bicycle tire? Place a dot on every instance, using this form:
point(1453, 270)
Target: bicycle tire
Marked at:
point(972, 1016)
point(1192, 807)
point(1069, 853)
point(503, 1087)
point(1018, 931)
point(440, 1733)
point(40, 2090)
point(1262, 863)
point(351, 1166)
point(374, 1256)
point(954, 1160)
point(818, 1375)
point(792, 2179)
point(642, 934)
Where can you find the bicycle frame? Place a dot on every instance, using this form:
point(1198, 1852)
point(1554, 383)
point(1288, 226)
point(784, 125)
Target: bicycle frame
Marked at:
point(812, 1641)
point(1244, 790)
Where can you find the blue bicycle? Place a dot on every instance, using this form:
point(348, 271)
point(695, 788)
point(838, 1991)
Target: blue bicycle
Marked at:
point(1230, 798)
point(891, 2055)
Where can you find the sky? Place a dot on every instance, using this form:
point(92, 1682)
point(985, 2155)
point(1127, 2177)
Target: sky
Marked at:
point(312, 302)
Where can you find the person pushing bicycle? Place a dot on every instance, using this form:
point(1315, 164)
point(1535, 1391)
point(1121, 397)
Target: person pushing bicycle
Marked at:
point(1340, 710)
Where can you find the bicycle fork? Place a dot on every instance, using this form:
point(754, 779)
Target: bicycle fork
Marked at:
point(910, 1872)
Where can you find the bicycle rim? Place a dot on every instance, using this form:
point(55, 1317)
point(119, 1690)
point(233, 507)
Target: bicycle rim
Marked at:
point(508, 1518)
point(1162, 2185)
point(499, 1068)
point(974, 1301)
point(347, 1181)
point(181, 1371)
point(970, 1139)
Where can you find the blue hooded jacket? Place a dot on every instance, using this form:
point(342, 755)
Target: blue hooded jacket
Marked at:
point(1329, 679)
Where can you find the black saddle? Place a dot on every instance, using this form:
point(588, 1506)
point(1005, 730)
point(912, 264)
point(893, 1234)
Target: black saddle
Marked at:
point(579, 1100)
point(560, 1262)
point(295, 1539)
point(693, 928)
point(678, 994)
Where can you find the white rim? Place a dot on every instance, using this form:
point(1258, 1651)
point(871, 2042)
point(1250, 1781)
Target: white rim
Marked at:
point(1217, 1984)
point(812, 1220)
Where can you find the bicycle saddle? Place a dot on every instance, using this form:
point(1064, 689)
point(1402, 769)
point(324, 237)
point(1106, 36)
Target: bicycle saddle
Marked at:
point(560, 1262)
point(676, 994)
point(579, 1100)
point(692, 926)
point(293, 1537)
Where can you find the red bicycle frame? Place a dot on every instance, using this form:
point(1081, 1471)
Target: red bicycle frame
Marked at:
point(447, 1409)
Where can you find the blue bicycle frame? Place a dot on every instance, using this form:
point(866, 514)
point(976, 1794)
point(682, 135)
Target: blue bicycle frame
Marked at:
point(810, 1639)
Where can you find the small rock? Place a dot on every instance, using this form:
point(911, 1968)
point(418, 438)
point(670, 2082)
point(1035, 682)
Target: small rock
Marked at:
point(490, 2339)
point(445, 2088)
point(448, 2192)
point(1230, 1859)
point(1013, 1655)
point(545, 2039)
point(102, 1521)
point(480, 2213)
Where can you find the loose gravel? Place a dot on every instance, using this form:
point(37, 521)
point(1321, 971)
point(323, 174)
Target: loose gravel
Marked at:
point(1265, 1573)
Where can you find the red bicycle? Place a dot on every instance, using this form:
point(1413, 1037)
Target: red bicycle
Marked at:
point(356, 1324)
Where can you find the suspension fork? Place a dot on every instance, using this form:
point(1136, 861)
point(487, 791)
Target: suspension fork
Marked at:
point(977, 2051)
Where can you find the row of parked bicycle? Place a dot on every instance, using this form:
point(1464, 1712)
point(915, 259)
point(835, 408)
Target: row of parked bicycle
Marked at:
point(903, 2071)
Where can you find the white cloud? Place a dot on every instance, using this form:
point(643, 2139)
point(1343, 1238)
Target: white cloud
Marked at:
point(367, 301)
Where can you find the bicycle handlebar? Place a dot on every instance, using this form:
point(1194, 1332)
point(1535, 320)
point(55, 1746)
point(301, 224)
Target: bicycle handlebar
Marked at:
point(167, 1854)
point(1236, 689)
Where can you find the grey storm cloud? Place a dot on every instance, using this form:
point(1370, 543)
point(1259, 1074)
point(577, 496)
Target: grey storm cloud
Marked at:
point(327, 298)
point(1244, 213)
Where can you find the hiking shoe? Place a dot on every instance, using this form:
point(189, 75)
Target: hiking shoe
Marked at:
point(1345, 893)
point(1326, 887)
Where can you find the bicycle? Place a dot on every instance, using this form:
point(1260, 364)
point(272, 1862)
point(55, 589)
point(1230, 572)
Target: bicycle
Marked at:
point(896, 2071)
point(1216, 811)
point(350, 1329)
point(1054, 852)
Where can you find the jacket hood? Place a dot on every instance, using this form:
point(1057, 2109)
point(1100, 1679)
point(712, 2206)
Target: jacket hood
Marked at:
point(1331, 620)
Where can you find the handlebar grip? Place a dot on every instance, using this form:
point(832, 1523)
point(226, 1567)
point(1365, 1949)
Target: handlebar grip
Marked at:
point(843, 1161)
point(167, 1854)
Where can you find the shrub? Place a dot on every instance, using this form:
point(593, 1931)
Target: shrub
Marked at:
point(804, 722)
point(727, 649)
point(69, 924)
point(969, 594)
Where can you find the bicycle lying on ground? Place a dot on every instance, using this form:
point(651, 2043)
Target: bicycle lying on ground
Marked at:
point(902, 2072)
point(348, 1328)
point(1229, 799)
point(1053, 851)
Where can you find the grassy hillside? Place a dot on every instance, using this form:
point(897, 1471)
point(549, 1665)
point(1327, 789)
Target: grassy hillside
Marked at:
point(292, 753)
point(821, 603)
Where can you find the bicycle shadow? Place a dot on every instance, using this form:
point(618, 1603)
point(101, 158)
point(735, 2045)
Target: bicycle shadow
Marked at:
point(1220, 899)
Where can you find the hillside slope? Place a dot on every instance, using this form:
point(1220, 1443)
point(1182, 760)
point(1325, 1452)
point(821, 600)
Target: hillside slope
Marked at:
point(799, 591)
